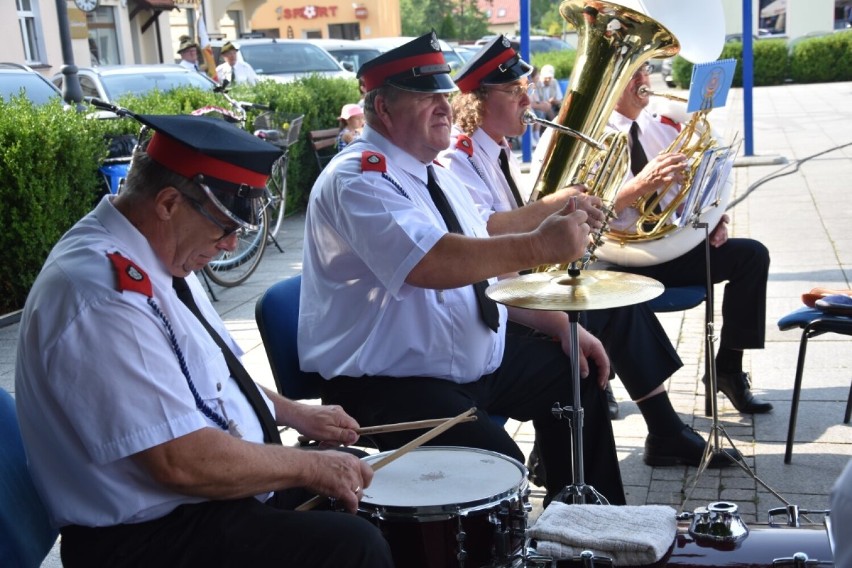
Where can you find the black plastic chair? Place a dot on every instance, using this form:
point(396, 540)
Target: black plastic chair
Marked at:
point(813, 322)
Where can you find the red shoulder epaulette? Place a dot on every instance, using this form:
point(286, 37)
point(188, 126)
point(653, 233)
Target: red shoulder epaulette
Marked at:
point(671, 122)
point(373, 162)
point(130, 277)
point(465, 144)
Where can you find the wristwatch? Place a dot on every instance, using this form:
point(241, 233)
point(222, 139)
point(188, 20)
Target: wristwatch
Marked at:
point(86, 5)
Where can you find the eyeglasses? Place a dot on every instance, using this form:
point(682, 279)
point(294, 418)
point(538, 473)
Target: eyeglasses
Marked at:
point(518, 90)
point(226, 231)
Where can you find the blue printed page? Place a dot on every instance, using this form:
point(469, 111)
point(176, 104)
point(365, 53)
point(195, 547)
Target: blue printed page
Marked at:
point(710, 84)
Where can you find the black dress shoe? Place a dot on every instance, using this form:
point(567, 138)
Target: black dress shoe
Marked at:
point(536, 470)
point(611, 403)
point(684, 448)
point(737, 387)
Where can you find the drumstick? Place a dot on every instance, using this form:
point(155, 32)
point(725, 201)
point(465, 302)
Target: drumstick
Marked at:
point(401, 451)
point(398, 427)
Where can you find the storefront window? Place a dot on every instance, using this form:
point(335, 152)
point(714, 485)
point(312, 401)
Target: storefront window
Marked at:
point(103, 36)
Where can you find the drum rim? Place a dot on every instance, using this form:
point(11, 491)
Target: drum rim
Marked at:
point(430, 513)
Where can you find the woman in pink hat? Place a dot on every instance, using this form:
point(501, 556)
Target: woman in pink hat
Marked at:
point(351, 122)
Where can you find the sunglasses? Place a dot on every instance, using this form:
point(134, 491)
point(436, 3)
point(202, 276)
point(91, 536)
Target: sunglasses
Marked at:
point(226, 231)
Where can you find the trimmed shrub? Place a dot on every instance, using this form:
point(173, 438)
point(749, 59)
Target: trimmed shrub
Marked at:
point(770, 63)
point(562, 61)
point(822, 59)
point(48, 163)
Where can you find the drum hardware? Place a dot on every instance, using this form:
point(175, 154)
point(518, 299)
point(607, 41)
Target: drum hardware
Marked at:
point(574, 291)
point(718, 522)
point(793, 512)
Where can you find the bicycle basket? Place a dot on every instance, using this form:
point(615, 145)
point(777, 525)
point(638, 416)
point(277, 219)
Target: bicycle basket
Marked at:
point(288, 126)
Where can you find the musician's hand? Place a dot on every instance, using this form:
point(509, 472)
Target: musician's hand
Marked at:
point(591, 204)
point(562, 237)
point(338, 475)
point(664, 168)
point(590, 348)
point(327, 424)
point(719, 236)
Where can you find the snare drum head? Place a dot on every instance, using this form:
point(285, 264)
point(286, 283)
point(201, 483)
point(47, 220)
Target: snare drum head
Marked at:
point(444, 477)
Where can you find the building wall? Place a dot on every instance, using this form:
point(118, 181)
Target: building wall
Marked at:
point(295, 19)
point(803, 16)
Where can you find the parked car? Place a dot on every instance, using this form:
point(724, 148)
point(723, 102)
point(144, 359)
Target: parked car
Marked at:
point(110, 82)
point(542, 44)
point(16, 78)
point(384, 44)
point(350, 53)
point(466, 52)
point(285, 60)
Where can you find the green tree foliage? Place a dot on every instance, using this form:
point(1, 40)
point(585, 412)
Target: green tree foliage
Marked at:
point(451, 19)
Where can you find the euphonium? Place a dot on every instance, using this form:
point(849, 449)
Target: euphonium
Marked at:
point(614, 42)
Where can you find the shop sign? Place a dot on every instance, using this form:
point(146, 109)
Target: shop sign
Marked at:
point(361, 12)
point(306, 12)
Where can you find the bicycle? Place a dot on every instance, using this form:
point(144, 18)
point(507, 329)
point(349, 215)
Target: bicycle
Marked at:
point(232, 268)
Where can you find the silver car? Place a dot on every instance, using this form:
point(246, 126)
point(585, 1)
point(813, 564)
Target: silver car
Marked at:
point(285, 60)
point(110, 82)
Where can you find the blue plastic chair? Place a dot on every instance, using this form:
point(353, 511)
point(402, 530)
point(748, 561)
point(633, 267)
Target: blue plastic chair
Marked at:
point(26, 535)
point(813, 322)
point(277, 316)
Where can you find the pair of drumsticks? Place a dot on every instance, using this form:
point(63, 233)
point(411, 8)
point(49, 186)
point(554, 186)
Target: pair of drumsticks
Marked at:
point(438, 425)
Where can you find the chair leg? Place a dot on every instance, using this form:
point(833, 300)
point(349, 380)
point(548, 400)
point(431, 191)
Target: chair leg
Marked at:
point(797, 389)
point(847, 416)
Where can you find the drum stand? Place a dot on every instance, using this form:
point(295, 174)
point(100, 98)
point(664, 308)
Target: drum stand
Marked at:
point(714, 445)
point(578, 491)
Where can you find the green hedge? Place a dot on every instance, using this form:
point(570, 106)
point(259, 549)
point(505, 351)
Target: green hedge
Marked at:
point(49, 157)
point(562, 61)
point(48, 164)
point(811, 60)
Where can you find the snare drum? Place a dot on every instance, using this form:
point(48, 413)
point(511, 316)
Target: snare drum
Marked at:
point(440, 507)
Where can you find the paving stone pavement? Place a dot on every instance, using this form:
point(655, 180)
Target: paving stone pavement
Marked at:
point(800, 210)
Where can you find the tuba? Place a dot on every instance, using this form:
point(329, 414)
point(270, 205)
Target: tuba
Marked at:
point(614, 42)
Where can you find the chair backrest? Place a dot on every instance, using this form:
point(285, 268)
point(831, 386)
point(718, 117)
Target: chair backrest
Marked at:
point(324, 145)
point(25, 532)
point(277, 315)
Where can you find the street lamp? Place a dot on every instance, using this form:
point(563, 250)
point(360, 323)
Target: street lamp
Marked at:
point(71, 91)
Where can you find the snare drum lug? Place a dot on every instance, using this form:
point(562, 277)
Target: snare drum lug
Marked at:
point(798, 560)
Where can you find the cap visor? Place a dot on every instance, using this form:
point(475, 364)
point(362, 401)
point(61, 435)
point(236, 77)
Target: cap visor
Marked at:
point(245, 211)
point(438, 83)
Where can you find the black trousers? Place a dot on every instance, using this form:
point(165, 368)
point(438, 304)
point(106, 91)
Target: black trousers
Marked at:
point(639, 349)
point(242, 532)
point(534, 375)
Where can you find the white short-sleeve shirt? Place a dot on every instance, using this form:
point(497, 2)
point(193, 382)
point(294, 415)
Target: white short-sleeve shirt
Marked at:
point(97, 379)
point(365, 231)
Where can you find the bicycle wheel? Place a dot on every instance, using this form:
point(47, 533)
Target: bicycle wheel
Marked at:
point(232, 268)
point(277, 187)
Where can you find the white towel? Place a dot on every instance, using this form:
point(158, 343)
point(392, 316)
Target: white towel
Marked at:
point(630, 535)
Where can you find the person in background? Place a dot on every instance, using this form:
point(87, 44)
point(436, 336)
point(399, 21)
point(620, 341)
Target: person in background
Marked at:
point(394, 314)
point(490, 108)
point(162, 450)
point(548, 92)
point(742, 263)
point(188, 51)
point(351, 121)
point(236, 72)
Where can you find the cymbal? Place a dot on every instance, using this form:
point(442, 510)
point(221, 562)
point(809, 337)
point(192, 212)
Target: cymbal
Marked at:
point(591, 290)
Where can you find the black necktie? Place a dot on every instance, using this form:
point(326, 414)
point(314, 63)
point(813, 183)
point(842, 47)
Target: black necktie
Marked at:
point(487, 306)
point(245, 382)
point(507, 173)
point(233, 76)
point(638, 159)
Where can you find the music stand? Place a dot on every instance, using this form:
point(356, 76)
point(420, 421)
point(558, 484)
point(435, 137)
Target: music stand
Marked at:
point(575, 291)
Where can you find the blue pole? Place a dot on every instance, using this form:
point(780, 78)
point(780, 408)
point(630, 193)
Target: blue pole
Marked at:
point(526, 142)
point(748, 78)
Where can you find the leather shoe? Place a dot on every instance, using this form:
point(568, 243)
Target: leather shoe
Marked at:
point(737, 387)
point(684, 448)
point(611, 403)
point(535, 469)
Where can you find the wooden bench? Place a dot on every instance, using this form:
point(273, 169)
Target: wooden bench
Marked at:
point(324, 145)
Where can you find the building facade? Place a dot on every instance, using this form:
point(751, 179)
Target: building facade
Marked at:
point(329, 19)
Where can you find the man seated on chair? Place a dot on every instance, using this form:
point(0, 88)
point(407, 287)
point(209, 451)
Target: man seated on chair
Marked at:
point(490, 108)
point(742, 263)
point(147, 440)
point(393, 312)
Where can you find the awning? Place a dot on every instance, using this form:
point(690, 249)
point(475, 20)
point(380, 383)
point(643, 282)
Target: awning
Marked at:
point(157, 4)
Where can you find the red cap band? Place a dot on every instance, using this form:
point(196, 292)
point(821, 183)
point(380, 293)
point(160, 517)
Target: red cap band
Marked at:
point(471, 81)
point(375, 77)
point(187, 162)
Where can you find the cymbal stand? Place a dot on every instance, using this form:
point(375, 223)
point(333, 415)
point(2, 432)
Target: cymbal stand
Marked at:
point(714, 445)
point(578, 491)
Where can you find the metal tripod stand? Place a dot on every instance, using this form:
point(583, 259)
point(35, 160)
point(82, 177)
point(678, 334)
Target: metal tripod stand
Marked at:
point(717, 430)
